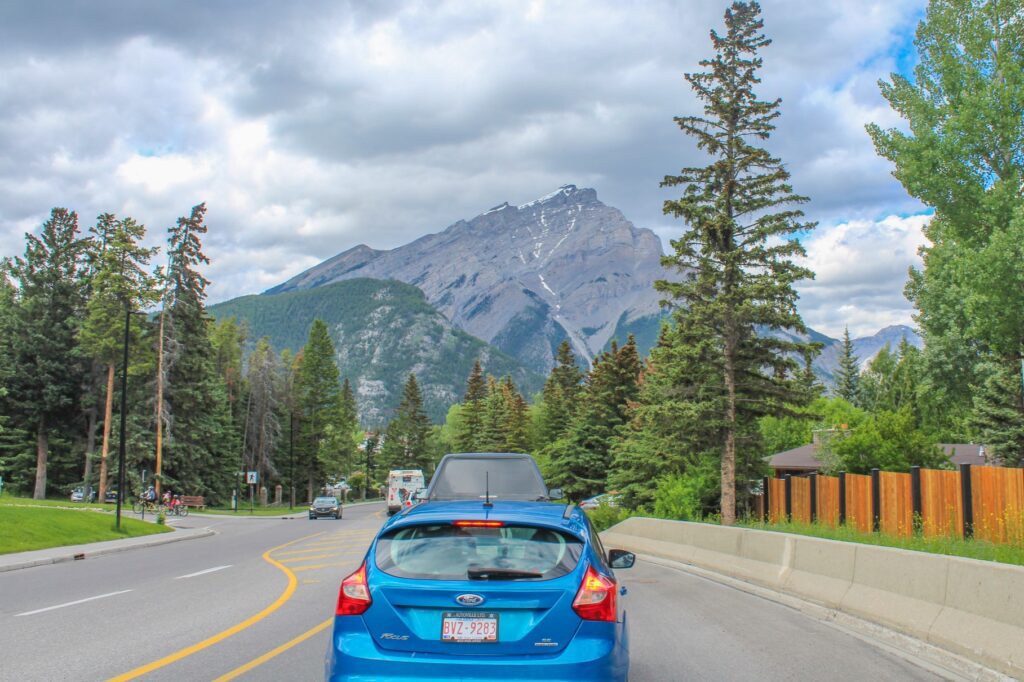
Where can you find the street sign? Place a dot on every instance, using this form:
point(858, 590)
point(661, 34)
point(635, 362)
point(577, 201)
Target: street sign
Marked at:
point(252, 477)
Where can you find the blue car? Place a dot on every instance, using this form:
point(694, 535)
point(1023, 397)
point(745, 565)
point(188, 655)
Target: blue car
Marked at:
point(471, 590)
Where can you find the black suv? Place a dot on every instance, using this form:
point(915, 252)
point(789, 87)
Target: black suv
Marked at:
point(499, 475)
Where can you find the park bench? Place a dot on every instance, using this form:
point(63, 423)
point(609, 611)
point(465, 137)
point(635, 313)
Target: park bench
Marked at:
point(196, 501)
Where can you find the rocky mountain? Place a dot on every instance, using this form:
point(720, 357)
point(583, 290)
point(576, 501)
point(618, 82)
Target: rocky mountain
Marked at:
point(523, 278)
point(382, 331)
point(866, 347)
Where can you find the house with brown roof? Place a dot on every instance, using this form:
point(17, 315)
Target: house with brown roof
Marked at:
point(804, 460)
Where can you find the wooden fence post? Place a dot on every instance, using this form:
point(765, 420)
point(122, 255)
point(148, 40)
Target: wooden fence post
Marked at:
point(789, 498)
point(915, 499)
point(966, 500)
point(814, 497)
point(842, 498)
point(767, 500)
point(876, 501)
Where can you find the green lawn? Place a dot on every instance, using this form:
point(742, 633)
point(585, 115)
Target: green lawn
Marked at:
point(10, 500)
point(37, 527)
point(972, 549)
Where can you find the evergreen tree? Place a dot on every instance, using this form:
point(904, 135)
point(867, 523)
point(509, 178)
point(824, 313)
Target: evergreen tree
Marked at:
point(735, 255)
point(318, 391)
point(960, 154)
point(559, 396)
point(468, 437)
point(515, 418)
point(406, 441)
point(344, 434)
point(579, 462)
point(848, 372)
point(46, 369)
point(262, 422)
point(197, 457)
point(120, 282)
point(996, 417)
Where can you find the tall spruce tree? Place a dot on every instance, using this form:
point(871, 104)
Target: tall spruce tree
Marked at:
point(262, 421)
point(961, 153)
point(120, 282)
point(848, 372)
point(197, 456)
point(318, 389)
point(579, 462)
point(734, 254)
point(559, 396)
point(406, 440)
point(47, 369)
point(468, 437)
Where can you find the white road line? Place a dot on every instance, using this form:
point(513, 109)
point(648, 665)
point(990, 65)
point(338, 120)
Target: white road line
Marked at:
point(209, 570)
point(71, 603)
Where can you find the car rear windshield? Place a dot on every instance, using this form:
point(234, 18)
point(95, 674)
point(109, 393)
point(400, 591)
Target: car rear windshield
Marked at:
point(507, 479)
point(448, 552)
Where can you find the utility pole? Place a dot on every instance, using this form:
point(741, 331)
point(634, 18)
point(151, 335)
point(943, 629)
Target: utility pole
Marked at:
point(291, 454)
point(159, 406)
point(124, 417)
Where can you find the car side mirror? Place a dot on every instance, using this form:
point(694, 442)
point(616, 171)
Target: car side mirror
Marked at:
point(555, 493)
point(620, 558)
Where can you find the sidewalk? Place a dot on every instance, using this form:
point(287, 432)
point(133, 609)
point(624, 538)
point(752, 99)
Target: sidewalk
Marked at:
point(55, 555)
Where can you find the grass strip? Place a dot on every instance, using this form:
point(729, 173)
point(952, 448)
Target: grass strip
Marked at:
point(27, 528)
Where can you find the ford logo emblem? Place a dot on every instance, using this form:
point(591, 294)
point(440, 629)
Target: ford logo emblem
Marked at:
point(470, 599)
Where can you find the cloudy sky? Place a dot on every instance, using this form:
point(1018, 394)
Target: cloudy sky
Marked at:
point(311, 127)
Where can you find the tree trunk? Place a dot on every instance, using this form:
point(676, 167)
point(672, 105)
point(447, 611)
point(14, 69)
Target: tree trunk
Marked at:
point(42, 452)
point(107, 417)
point(158, 476)
point(729, 452)
point(90, 448)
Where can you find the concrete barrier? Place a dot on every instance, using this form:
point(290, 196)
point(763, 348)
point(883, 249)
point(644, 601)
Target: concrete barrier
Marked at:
point(972, 608)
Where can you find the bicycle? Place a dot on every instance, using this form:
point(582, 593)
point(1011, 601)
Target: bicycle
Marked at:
point(145, 505)
point(177, 510)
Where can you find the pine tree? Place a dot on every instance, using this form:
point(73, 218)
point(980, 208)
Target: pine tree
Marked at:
point(580, 461)
point(344, 434)
point(318, 391)
point(47, 370)
point(735, 255)
point(406, 441)
point(559, 396)
point(197, 457)
point(468, 437)
point(848, 373)
point(997, 416)
point(263, 426)
point(120, 282)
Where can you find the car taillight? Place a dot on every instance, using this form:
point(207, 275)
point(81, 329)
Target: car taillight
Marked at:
point(596, 597)
point(478, 524)
point(354, 596)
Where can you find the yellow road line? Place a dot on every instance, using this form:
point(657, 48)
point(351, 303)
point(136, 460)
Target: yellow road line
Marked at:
point(295, 552)
point(274, 652)
point(233, 630)
point(296, 559)
point(316, 566)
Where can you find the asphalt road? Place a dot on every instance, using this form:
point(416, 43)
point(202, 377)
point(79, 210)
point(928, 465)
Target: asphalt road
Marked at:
point(253, 602)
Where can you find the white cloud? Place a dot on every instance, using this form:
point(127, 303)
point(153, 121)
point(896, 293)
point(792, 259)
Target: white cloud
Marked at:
point(309, 129)
point(861, 268)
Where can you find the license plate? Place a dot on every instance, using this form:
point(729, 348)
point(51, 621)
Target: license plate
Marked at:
point(473, 627)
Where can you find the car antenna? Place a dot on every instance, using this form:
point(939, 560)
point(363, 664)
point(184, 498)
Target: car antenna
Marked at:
point(487, 490)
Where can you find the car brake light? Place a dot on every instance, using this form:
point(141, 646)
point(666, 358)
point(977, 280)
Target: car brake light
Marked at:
point(354, 596)
point(479, 524)
point(595, 599)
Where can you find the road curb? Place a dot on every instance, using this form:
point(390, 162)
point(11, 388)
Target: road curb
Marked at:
point(57, 555)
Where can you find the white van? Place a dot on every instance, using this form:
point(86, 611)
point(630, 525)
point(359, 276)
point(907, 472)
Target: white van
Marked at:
point(402, 485)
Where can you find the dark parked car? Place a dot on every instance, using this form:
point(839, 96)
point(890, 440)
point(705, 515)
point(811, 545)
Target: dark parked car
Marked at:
point(325, 506)
point(499, 475)
point(110, 497)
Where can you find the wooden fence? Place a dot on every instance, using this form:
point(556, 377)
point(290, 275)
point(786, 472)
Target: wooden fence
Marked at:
point(977, 501)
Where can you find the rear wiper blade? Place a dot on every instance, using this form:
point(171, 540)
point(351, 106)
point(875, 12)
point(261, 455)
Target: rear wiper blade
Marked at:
point(499, 573)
